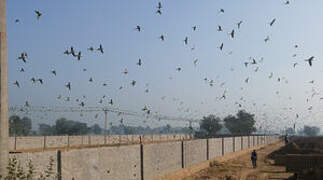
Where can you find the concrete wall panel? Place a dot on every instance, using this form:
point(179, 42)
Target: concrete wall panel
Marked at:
point(215, 147)
point(194, 152)
point(161, 159)
point(56, 141)
point(245, 142)
point(228, 145)
point(30, 142)
point(237, 144)
point(113, 163)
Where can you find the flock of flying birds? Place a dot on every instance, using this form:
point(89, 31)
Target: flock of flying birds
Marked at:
point(71, 51)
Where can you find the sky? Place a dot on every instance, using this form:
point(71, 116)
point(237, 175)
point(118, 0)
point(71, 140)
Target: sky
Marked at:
point(82, 23)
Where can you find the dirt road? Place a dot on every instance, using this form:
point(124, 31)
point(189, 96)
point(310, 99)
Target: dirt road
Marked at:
point(241, 168)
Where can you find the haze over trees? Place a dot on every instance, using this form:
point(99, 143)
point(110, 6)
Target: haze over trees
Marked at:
point(311, 130)
point(242, 123)
point(19, 126)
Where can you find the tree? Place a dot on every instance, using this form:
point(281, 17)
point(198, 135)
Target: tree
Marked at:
point(19, 127)
point(311, 130)
point(46, 130)
point(96, 129)
point(209, 126)
point(69, 127)
point(243, 123)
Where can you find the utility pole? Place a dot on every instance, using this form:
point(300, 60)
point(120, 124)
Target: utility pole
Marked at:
point(4, 154)
point(105, 125)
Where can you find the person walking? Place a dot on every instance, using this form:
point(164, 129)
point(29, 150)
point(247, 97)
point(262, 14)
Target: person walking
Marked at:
point(254, 158)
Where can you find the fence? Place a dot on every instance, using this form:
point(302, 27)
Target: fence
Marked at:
point(20, 143)
point(140, 161)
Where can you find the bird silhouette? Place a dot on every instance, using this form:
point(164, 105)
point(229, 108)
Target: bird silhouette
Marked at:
point(138, 28)
point(79, 55)
point(159, 5)
point(125, 71)
point(73, 52)
point(67, 52)
point(219, 28)
point(17, 84)
point(23, 56)
point(91, 79)
point(221, 10)
point(232, 33)
point(194, 28)
point(186, 40)
point(195, 61)
point(33, 79)
point(158, 12)
point(161, 37)
point(239, 24)
point(310, 60)
point(22, 70)
point(53, 72)
point(139, 63)
point(294, 65)
point(68, 85)
point(17, 21)
point(100, 48)
point(266, 39)
point(247, 80)
point(221, 46)
point(178, 69)
point(40, 80)
point(272, 22)
point(111, 102)
point(133, 82)
point(38, 14)
point(27, 104)
point(91, 49)
point(271, 75)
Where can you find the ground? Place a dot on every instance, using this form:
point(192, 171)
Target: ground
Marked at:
point(240, 168)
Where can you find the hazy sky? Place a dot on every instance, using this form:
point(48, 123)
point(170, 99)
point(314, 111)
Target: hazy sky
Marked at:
point(83, 23)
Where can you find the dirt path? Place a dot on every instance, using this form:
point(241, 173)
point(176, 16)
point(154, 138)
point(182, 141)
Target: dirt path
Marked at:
point(241, 169)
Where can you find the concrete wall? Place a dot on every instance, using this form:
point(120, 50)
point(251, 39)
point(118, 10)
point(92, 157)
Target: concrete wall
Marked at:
point(215, 148)
point(194, 152)
point(245, 140)
point(155, 161)
point(228, 145)
point(134, 161)
point(39, 160)
point(237, 144)
point(113, 163)
point(36, 142)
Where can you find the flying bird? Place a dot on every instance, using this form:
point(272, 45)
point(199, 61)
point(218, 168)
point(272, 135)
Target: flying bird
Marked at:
point(221, 10)
point(111, 102)
point(73, 52)
point(100, 48)
point(79, 55)
point(158, 12)
point(67, 52)
point(133, 83)
point(159, 5)
point(23, 56)
point(17, 21)
point(232, 33)
point(38, 14)
point(178, 69)
point(294, 65)
point(68, 85)
point(33, 79)
point(186, 40)
point(266, 39)
point(22, 70)
point(17, 84)
point(221, 46)
point(272, 22)
point(310, 60)
point(40, 80)
point(194, 28)
point(53, 72)
point(195, 61)
point(91, 49)
point(139, 63)
point(161, 37)
point(219, 28)
point(125, 71)
point(138, 28)
point(239, 24)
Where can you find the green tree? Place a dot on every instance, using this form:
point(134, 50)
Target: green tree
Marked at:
point(46, 130)
point(69, 127)
point(311, 130)
point(209, 126)
point(18, 126)
point(242, 123)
